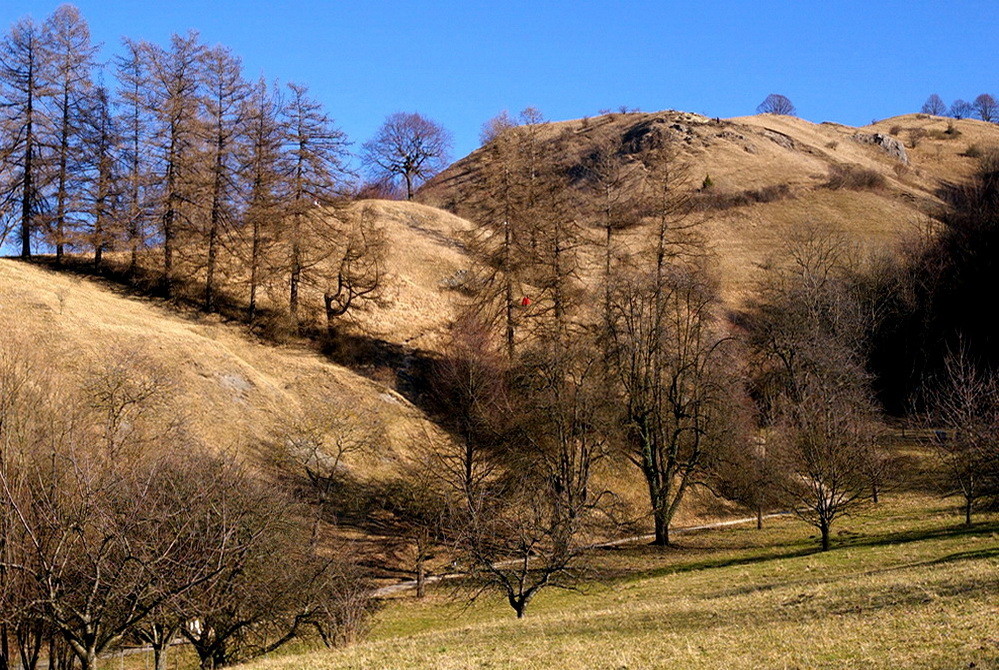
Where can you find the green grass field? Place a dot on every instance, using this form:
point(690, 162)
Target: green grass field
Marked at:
point(905, 586)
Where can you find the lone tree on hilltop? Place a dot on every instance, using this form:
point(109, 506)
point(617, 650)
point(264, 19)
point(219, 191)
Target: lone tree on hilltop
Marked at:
point(410, 147)
point(775, 103)
point(961, 109)
point(934, 105)
point(986, 108)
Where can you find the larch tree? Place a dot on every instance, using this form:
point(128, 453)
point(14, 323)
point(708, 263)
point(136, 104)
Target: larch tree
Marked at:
point(315, 150)
point(25, 121)
point(102, 190)
point(174, 101)
point(131, 70)
point(265, 178)
point(409, 147)
point(225, 93)
point(71, 54)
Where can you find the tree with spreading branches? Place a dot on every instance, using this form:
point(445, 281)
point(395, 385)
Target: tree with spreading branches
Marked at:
point(409, 147)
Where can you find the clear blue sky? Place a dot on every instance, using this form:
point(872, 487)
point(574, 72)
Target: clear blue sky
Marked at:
point(461, 62)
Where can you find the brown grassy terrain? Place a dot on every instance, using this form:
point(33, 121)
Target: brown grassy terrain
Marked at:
point(905, 586)
point(233, 389)
point(771, 176)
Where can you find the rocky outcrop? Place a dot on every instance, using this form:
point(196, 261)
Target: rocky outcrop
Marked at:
point(887, 143)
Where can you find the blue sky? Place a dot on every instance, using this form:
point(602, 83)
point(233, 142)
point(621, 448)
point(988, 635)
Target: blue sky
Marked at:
point(462, 62)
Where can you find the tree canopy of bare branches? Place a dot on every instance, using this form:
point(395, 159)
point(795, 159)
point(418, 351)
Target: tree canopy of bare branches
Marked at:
point(410, 147)
point(775, 103)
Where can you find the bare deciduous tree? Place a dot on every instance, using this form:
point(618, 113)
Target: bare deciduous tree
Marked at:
point(409, 147)
point(775, 103)
point(25, 120)
point(315, 149)
point(810, 337)
point(226, 92)
point(68, 49)
point(961, 109)
point(963, 412)
point(934, 105)
point(173, 95)
point(986, 108)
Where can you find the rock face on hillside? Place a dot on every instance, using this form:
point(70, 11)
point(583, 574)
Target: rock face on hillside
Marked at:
point(888, 144)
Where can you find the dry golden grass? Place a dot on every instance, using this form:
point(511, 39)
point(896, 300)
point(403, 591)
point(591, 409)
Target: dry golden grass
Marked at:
point(233, 389)
point(768, 151)
point(903, 588)
point(424, 250)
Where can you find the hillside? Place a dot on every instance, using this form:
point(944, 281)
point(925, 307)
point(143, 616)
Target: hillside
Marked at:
point(233, 389)
point(770, 174)
point(904, 588)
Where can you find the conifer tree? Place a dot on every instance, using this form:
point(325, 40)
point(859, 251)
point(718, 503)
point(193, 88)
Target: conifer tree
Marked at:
point(316, 150)
point(173, 102)
point(24, 120)
point(69, 54)
point(224, 98)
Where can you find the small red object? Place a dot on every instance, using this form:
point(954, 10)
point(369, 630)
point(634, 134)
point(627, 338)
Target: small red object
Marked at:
point(525, 302)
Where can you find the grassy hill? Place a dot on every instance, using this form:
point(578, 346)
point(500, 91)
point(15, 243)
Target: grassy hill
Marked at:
point(233, 389)
point(773, 174)
point(905, 587)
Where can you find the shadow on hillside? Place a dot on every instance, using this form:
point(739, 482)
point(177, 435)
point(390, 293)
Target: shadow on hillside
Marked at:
point(403, 368)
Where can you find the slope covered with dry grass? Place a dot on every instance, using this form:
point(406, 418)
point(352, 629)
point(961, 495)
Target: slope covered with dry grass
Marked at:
point(772, 175)
point(233, 389)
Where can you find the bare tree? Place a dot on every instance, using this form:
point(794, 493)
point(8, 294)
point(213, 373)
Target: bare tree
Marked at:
point(173, 100)
point(495, 127)
point(961, 109)
point(131, 71)
point(668, 362)
point(775, 103)
point(265, 174)
point(986, 108)
point(810, 336)
point(68, 49)
point(226, 92)
point(25, 120)
point(410, 147)
point(356, 272)
point(963, 412)
point(934, 105)
point(821, 440)
point(315, 150)
point(103, 194)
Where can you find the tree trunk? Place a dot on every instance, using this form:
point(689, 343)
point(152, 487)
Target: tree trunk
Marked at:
point(967, 510)
point(759, 518)
point(421, 577)
point(296, 268)
point(824, 527)
point(662, 528)
point(160, 655)
point(519, 605)
point(4, 647)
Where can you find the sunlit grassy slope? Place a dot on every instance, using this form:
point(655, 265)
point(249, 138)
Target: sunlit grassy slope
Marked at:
point(904, 587)
point(232, 389)
point(768, 151)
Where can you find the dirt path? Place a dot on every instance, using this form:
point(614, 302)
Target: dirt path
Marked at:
point(394, 589)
